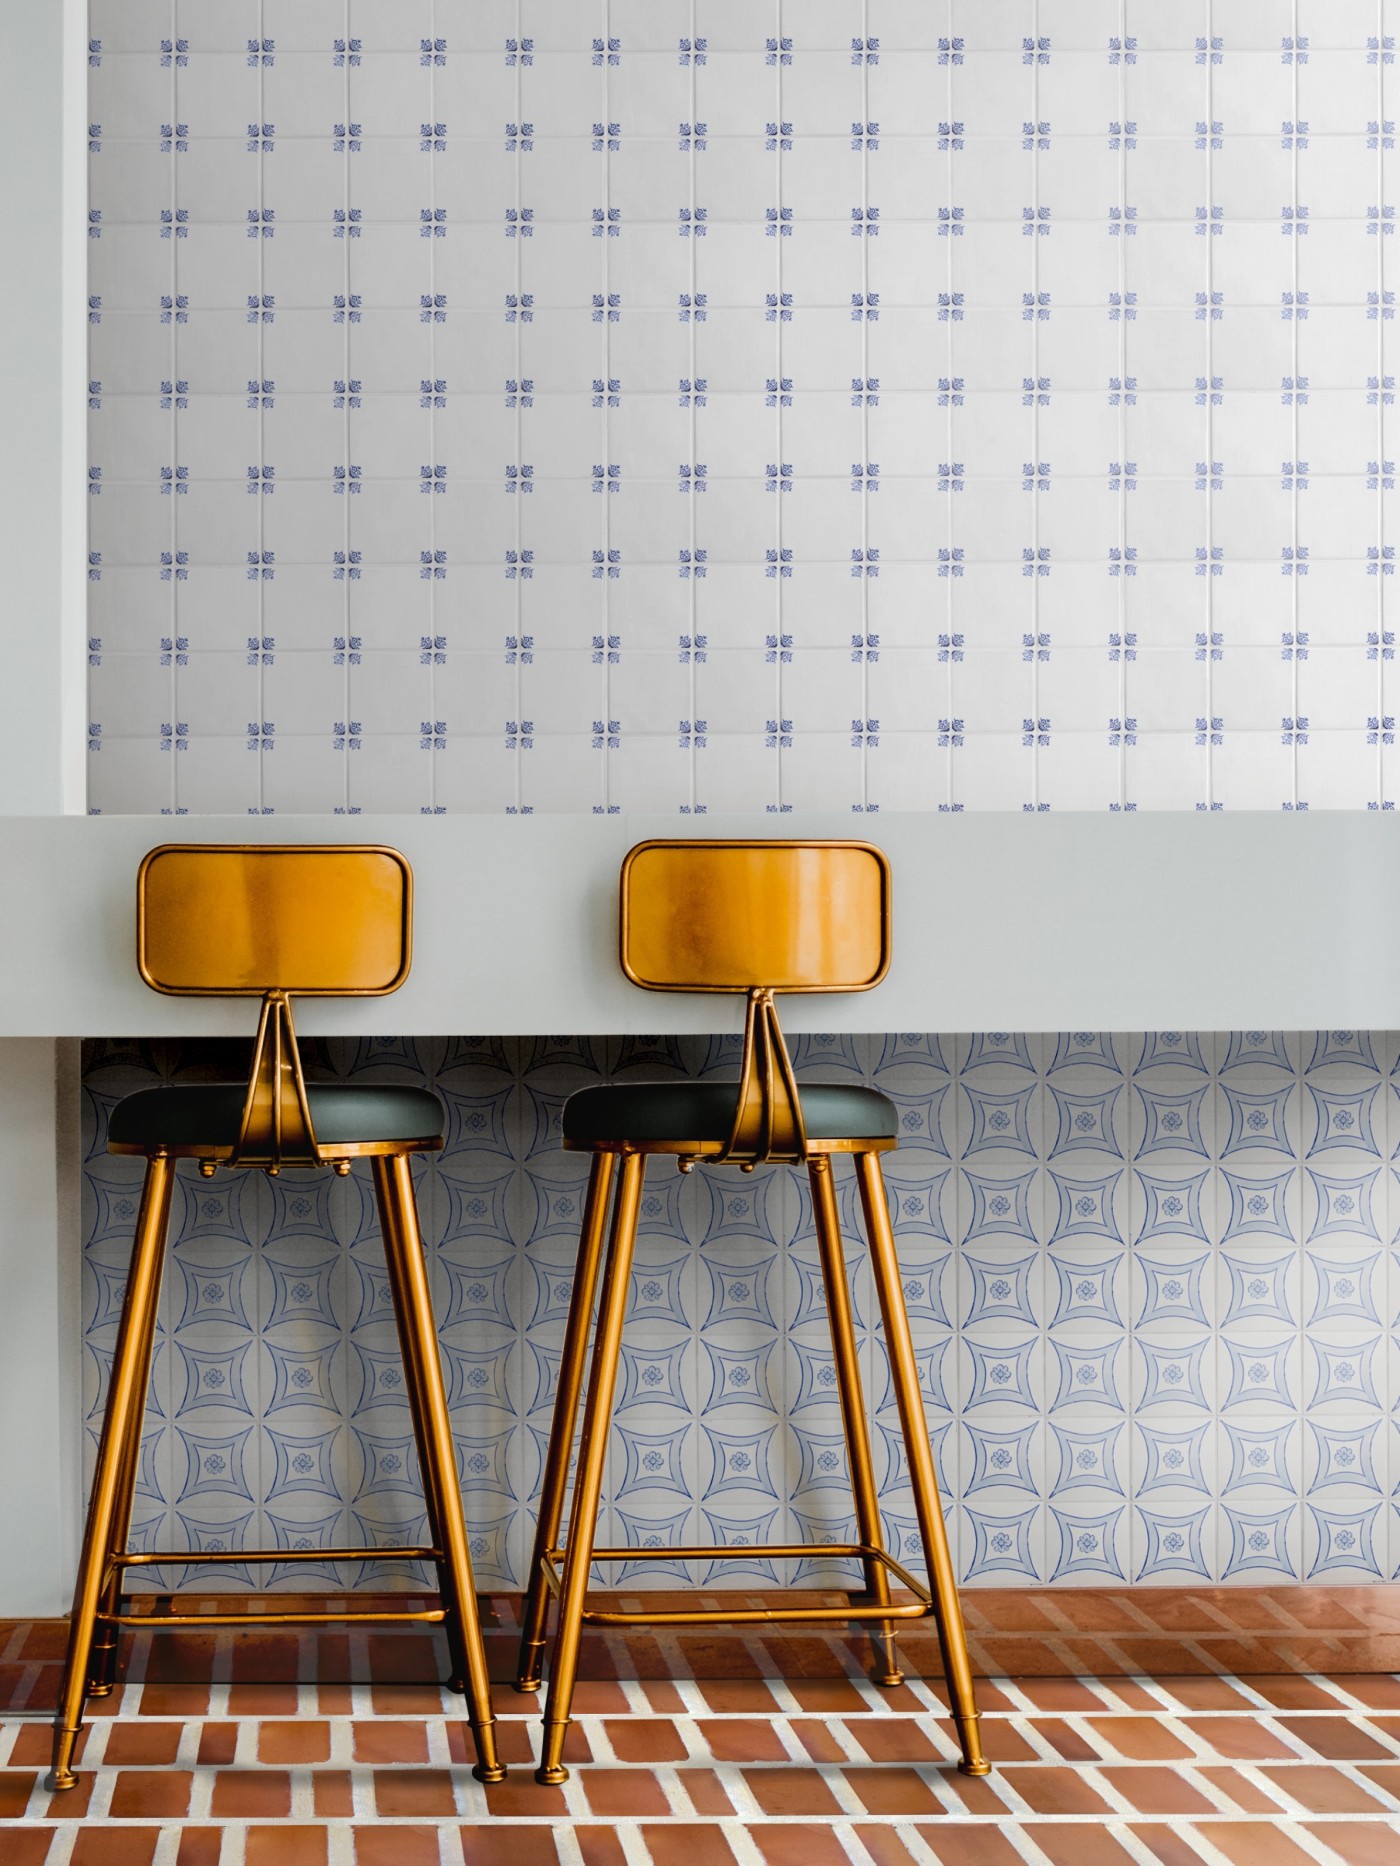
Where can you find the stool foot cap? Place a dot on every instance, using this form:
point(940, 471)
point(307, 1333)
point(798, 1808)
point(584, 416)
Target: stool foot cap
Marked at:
point(58, 1779)
point(551, 1778)
point(974, 1768)
point(496, 1773)
point(888, 1679)
point(99, 1688)
point(457, 1686)
point(527, 1684)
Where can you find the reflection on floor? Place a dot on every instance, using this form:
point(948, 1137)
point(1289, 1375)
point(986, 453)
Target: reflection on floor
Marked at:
point(1224, 1727)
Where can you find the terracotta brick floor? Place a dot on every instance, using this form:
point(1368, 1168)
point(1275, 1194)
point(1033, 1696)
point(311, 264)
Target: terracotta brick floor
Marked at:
point(1219, 1727)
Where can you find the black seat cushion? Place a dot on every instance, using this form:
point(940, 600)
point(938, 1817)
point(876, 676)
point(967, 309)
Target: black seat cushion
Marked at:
point(208, 1114)
point(644, 1111)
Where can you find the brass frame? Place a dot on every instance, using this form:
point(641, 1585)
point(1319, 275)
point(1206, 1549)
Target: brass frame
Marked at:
point(768, 1125)
point(275, 1131)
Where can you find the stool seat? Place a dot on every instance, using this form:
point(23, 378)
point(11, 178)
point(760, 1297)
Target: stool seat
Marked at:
point(704, 1111)
point(209, 1114)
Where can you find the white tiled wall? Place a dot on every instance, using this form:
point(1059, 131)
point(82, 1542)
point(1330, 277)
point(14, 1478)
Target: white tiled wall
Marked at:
point(742, 404)
point(1152, 1280)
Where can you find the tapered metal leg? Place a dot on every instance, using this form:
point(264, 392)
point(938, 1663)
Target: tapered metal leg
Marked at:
point(390, 1228)
point(853, 1415)
point(102, 1666)
point(126, 1401)
point(393, 1182)
point(952, 1636)
point(561, 1432)
point(588, 1482)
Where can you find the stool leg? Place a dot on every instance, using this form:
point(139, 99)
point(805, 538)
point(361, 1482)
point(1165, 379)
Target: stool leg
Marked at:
point(393, 1182)
point(561, 1432)
point(853, 1414)
point(952, 1636)
point(418, 1410)
point(102, 1669)
point(126, 1401)
point(588, 1482)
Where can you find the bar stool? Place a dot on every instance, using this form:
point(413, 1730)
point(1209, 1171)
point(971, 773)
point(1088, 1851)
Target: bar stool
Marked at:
point(267, 922)
point(754, 917)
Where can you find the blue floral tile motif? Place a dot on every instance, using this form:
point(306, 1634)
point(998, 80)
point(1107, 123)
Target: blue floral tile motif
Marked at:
point(1000, 1122)
point(1341, 1046)
point(1174, 1458)
point(1258, 1122)
point(1342, 1539)
point(740, 1461)
point(1343, 1204)
point(1343, 1122)
point(654, 1460)
point(1343, 1288)
point(822, 1463)
point(1087, 1458)
point(1259, 1460)
point(1000, 1207)
point(380, 1378)
point(739, 1293)
point(214, 1380)
point(1002, 1460)
point(916, 1208)
point(1345, 1457)
point(1001, 1375)
point(304, 1463)
point(476, 1377)
point(1172, 1123)
point(1174, 1373)
point(1087, 1288)
point(1000, 1289)
point(1084, 1046)
point(1257, 1046)
point(1344, 1372)
point(1259, 1372)
point(1260, 1542)
point(1085, 1208)
point(998, 1046)
point(215, 1295)
point(1173, 1543)
point(1173, 1289)
point(1258, 1204)
point(1087, 1544)
point(1084, 1123)
point(1258, 1289)
point(1087, 1376)
point(1002, 1545)
point(922, 1115)
point(1171, 1046)
point(654, 1534)
point(1172, 1207)
point(652, 1376)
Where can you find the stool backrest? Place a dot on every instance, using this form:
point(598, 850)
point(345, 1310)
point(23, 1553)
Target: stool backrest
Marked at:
point(269, 921)
point(729, 916)
point(757, 916)
point(227, 921)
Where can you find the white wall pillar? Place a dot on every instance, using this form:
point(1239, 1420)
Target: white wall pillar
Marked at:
point(40, 1372)
point(43, 211)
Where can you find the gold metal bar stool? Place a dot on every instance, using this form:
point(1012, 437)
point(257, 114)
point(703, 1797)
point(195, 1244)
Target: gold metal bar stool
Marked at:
point(754, 917)
point(268, 922)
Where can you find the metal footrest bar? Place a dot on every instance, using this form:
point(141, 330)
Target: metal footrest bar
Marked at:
point(167, 1622)
point(187, 1558)
point(917, 1609)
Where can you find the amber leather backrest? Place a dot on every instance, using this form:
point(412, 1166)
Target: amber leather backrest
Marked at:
point(224, 920)
point(730, 916)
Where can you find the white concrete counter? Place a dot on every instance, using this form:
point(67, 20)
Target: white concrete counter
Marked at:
point(1156, 922)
